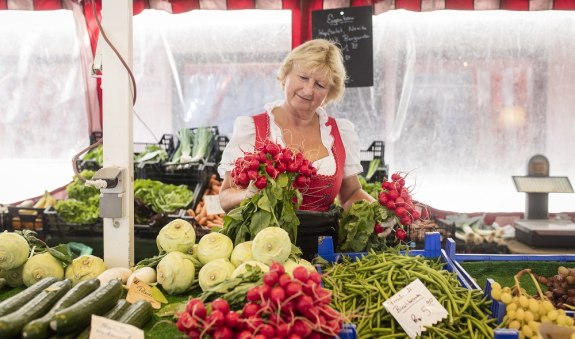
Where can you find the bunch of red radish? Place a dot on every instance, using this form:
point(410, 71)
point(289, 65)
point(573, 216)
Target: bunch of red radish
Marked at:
point(280, 308)
point(271, 160)
point(397, 199)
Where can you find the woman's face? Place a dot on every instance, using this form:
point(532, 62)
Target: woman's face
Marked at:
point(305, 90)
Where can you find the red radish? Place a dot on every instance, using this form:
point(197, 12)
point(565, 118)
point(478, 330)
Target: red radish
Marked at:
point(264, 292)
point(186, 322)
point(377, 229)
point(288, 306)
point(194, 334)
point(267, 331)
point(196, 308)
point(261, 182)
point(223, 333)
point(284, 280)
point(250, 310)
point(283, 330)
point(277, 267)
point(260, 336)
point(232, 319)
point(216, 318)
point(301, 329)
point(323, 296)
point(304, 303)
point(277, 295)
point(245, 334)
point(271, 278)
point(315, 277)
point(294, 336)
point(253, 294)
point(293, 288)
point(220, 305)
point(301, 273)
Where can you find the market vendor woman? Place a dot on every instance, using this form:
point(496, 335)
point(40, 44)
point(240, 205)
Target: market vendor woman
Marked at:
point(312, 76)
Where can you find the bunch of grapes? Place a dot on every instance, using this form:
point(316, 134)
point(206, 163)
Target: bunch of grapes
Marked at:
point(525, 313)
point(268, 162)
point(561, 288)
point(283, 307)
point(397, 199)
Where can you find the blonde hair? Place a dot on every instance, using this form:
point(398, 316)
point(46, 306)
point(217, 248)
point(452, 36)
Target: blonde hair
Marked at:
point(318, 55)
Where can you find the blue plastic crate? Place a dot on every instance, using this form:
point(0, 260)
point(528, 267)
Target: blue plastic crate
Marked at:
point(432, 249)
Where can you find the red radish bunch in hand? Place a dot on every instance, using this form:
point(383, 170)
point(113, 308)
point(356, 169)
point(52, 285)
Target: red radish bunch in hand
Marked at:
point(269, 161)
point(283, 307)
point(396, 198)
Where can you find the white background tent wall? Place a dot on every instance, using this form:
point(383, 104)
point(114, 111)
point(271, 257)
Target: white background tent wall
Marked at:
point(460, 106)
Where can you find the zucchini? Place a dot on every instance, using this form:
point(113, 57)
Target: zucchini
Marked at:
point(40, 328)
point(77, 317)
point(18, 300)
point(11, 324)
point(137, 314)
point(121, 306)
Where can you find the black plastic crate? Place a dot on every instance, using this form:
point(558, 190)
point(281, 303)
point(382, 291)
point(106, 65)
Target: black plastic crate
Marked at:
point(29, 218)
point(189, 174)
point(417, 231)
point(375, 151)
point(313, 227)
point(215, 143)
point(166, 142)
point(221, 143)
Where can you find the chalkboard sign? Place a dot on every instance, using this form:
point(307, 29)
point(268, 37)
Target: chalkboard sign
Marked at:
point(351, 28)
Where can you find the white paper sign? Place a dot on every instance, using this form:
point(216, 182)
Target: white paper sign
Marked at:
point(414, 307)
point(212, 203)
point(104, 328)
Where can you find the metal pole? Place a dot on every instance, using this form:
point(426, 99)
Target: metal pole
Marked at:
point(118, 128)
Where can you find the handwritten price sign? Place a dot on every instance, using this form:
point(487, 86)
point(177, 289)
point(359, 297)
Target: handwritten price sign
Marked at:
point(414, 307)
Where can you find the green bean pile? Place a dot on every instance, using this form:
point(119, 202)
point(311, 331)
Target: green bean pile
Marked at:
point(360, 287)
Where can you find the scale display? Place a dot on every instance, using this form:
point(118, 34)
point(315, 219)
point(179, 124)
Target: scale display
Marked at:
point(532, 184)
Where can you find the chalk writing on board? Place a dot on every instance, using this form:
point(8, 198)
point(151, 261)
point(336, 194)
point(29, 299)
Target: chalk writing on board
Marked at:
point(351, 29)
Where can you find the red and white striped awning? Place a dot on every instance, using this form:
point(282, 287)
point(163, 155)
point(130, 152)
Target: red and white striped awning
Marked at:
point(301, 9)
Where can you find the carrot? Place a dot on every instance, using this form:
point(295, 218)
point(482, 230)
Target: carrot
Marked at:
point(190, 212)
point(202, 221)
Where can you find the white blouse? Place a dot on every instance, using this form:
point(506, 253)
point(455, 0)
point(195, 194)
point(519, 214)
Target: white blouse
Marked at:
point(244, 136)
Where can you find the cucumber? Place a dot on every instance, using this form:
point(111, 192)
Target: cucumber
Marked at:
point(18, 300)
point(137, 314)
point(77, 317)
point(11, 324)
point(121, 306)
point(40, 328)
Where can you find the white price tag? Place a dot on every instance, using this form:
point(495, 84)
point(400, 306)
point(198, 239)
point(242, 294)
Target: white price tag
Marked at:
point(101, 327)
point(212, 203)
point(414, 307)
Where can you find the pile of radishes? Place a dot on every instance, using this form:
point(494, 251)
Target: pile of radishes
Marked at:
point(272, 160)
point(283, 307)
point(397, 199)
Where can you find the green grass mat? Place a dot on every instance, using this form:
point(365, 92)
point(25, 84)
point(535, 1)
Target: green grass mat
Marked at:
point(504, 271)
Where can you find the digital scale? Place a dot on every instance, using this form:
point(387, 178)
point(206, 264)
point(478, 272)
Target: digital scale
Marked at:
point(537, 229)
point(546, 233)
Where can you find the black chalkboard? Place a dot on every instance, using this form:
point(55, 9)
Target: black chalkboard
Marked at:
point(351, 28)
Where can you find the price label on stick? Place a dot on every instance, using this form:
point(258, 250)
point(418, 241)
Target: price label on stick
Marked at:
point(414, 308)
point(212, 203)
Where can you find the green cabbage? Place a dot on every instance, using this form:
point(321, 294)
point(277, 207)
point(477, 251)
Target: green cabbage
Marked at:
point(14, 250)
point(272, 244)
point(84, 267)
point(175, 272)
point(177, 235)
point(214, 273)
point(41, 266)
point(214, 246)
